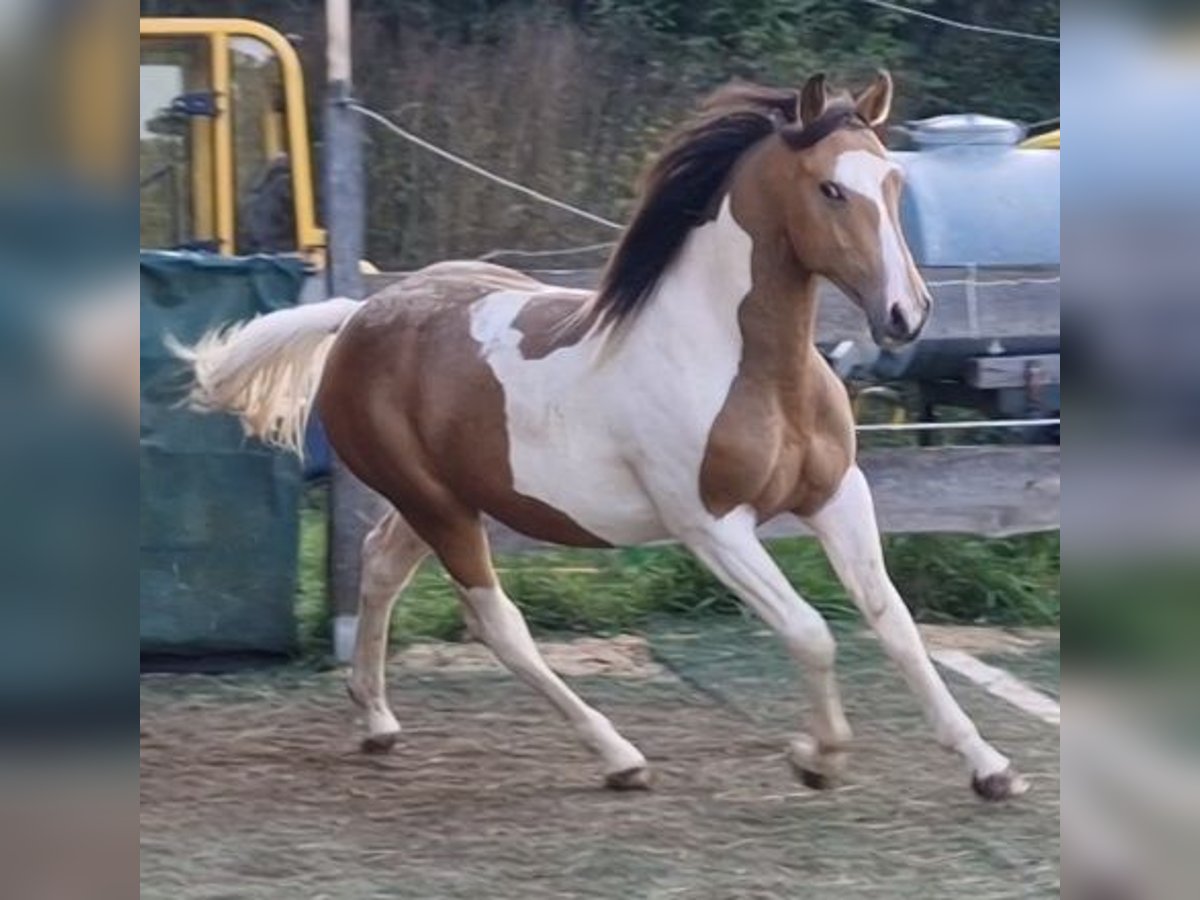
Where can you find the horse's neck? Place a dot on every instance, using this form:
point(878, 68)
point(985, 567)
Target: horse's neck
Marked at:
point(724, 297)
point(702, 289)
point(778, 322)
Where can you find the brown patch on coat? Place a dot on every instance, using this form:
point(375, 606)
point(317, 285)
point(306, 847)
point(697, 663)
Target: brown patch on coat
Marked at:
point(551, 321)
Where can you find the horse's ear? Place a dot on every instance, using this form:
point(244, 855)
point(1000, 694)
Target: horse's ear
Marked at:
point(875, 102)
point(813, 98)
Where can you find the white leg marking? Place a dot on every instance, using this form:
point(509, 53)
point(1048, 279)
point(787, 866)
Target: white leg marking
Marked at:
point(391, 553)
point(850, 536)
point(732, 551)
point(503, 629)
point(1002, 684)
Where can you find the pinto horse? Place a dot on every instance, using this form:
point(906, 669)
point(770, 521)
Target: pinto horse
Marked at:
point(683, 400)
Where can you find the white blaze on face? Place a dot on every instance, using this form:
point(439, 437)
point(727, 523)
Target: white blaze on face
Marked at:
point(865, 173)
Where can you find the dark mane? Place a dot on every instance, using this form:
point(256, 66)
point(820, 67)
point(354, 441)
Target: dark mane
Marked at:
point(681, 186)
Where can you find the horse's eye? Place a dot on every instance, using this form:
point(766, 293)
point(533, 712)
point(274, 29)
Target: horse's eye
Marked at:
point(832, 190)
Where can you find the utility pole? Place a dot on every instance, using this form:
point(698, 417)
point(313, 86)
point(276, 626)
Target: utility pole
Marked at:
point(345, 218)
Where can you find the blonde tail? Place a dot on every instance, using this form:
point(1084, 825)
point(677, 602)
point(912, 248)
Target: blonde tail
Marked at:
point(266, 371)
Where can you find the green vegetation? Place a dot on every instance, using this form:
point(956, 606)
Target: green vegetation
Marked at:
point(943, 578)
point(573, 97)
point(312, 610)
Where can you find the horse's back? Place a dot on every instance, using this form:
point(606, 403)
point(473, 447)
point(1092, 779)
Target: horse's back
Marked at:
point(445, 288)
point(470, 273)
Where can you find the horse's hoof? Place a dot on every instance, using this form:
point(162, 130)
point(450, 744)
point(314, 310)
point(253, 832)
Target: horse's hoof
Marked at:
point(817, 781)
point(379, 743)
point(816, 769)
point(637, 779)
point(1000, 785)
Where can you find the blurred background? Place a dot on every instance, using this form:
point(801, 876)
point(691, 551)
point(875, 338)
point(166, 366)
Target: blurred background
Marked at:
point(516, 131)
point(571, 98)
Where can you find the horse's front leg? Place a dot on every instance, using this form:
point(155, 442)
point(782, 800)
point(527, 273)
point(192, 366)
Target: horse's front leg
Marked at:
point(848, 531)
point(732, 551)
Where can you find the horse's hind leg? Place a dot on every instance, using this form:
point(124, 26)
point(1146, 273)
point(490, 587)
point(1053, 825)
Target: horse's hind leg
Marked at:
point(463, 549)
point(391, 553)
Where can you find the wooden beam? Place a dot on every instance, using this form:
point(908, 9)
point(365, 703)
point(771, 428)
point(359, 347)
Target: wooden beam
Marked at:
point(1003, 304)
point(994, 372)
point(989, 491)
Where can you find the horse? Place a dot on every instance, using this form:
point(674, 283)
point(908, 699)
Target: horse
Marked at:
point(683, 400)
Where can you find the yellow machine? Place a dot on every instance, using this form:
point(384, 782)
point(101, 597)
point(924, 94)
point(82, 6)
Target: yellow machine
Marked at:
point(1051, 140)
point(225, 163)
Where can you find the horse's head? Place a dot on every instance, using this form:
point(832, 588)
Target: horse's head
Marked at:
point(841, 205)
point(817, 188)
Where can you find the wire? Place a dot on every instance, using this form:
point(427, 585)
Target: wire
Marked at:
point(565, 251)
point(479, 170)
point(999, 282)
point(960, 426)
point(965, 26)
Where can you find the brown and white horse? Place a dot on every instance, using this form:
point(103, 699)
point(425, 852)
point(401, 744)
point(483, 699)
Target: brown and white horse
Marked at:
point(684, 400)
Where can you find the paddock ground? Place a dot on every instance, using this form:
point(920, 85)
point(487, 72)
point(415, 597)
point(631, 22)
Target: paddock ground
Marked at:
point(253, 787)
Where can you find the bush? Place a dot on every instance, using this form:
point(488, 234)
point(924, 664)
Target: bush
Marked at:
point(964, 579)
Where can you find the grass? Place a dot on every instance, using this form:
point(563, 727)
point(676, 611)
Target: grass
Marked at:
point(943, 579)
point(313, 614)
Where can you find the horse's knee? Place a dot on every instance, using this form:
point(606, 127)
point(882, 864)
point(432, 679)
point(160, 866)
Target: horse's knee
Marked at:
point(493, 618)
point(890, 620)
point(378, 537)
point(807, 633)
point(377, 556)
point(391, 552)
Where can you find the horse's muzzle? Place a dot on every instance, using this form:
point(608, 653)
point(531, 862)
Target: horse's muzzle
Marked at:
point(902, 327)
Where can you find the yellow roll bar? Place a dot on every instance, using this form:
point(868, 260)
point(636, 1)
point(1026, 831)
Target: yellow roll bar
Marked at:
point(1051, 140)
point(223, 175)
point(310, 239)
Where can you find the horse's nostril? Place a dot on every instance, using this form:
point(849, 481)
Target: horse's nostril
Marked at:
point(896, 320)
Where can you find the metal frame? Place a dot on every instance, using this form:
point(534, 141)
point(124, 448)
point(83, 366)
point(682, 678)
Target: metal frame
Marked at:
point(310, 239)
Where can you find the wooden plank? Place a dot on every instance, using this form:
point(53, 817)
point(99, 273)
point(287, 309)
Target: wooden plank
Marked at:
point(1003, 304)
point(995, 491)
point(992, 491)
point(994, 372)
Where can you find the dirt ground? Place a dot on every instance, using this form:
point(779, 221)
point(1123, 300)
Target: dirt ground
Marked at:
point(253, 786)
